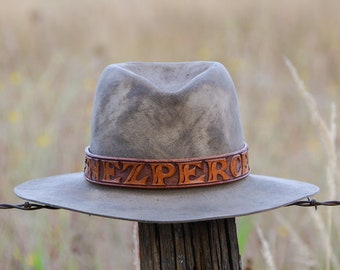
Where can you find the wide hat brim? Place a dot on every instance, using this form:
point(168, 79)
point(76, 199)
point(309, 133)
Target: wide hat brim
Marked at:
point(255, 193)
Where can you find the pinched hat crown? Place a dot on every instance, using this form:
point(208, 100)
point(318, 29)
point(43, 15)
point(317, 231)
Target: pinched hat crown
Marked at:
point(165, 110)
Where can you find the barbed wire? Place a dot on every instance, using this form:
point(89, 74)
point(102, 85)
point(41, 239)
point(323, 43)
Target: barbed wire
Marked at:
point(34, 206)
point(27, 206)
point(314, 203)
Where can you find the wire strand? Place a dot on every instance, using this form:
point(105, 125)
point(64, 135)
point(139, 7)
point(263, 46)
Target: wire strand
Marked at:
point(314, 203)
point(27, 206)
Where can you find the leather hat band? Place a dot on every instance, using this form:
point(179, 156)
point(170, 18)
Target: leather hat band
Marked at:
point(171, 173)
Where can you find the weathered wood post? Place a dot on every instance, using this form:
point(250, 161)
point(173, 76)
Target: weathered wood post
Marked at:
point(196, 245)
point(167, 150)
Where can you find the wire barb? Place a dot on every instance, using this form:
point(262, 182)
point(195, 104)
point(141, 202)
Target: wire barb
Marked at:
point(314, 203)
point(26, 206)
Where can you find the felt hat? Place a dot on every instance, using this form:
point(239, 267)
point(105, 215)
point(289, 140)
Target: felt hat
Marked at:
point(166, 146)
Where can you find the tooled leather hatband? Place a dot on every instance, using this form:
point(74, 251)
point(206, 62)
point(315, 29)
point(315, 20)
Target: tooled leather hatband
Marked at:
point(171, 173)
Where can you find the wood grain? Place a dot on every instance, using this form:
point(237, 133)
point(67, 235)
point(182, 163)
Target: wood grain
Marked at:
point(195, 246)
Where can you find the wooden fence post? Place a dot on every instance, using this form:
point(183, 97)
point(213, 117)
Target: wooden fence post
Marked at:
point(196, 245)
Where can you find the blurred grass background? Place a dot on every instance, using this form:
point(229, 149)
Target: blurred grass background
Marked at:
point(51, 55)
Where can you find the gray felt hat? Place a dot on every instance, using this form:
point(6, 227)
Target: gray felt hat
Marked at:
point(166, 146)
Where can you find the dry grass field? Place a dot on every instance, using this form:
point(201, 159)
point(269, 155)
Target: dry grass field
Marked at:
point(51, 55)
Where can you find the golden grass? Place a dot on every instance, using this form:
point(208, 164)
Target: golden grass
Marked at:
point(328, 137)
point(51, 54)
